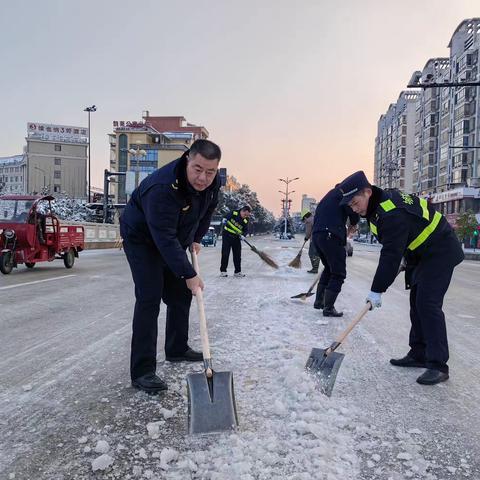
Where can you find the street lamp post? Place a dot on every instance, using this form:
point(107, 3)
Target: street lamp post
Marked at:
point(287, 181)
point(136, 153)
point(89, 110)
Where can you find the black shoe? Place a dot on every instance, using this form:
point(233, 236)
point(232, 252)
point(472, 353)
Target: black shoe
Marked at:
point(432, 377)
point(407, 361)
point(150, 383)
point(329, 309)
point(189, 356)
point(331, 312)
point(312, 271)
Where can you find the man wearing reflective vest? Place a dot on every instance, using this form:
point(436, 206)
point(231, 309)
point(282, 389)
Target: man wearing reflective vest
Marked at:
point(409, 227)
point(235, 226)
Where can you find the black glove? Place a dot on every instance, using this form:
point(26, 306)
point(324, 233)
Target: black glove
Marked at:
point(306, 239)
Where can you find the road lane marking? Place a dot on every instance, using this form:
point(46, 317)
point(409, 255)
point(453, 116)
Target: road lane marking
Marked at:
point(37, 281)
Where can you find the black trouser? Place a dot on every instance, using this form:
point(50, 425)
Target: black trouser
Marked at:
point(429, 278)
point(428, 333)
point(155, 282)
point(313, 254)
point(332, 253)
point(230, 241)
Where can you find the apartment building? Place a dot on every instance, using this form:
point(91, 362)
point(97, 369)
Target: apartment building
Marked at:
point(308, 203)
point(56, 159)
point(13, 174)
point(446, 131)
point(394, 144)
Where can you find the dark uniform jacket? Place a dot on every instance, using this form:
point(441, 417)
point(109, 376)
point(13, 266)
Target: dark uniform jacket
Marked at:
point(409, 227)
point(330, 216)
point(167, 212)
point(235, 224)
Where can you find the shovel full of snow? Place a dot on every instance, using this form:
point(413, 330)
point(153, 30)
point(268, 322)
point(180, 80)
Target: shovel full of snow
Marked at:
point(211, 398)
point(325, 363)
point(309, 293)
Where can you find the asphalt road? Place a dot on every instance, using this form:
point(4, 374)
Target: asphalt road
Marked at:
point(64, 362)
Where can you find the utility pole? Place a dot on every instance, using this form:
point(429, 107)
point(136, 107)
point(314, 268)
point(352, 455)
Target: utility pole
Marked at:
point(288, 202)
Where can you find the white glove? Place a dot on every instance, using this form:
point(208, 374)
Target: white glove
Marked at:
point(242, 237)
point(375, 300)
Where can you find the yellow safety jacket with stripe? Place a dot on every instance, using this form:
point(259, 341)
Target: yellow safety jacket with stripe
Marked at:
point(413, 205)
point(235, 224)
point(404, 225)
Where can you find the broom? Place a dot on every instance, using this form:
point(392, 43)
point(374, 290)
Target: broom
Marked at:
point(267, 259)
point(297, 262)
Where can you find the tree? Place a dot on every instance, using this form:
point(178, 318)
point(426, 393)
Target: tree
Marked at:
point(466, 224)
point(261, 218)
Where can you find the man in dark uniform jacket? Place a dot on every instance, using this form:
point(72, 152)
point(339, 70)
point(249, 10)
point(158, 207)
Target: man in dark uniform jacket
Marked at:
point(408, 226)
point(169, 211)
point(235, 226)
point(330, 238)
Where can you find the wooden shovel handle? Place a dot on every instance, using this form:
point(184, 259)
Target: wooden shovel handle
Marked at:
point(202, 317)
point(354, 322)
point(317, 278)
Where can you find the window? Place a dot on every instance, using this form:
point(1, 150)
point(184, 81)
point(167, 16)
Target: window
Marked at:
point(57, 174)
point(56, 188)
point(58, 161)
point(58, 148)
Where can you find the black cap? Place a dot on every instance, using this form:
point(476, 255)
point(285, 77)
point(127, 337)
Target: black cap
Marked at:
point(247, 207)
point(352, 185)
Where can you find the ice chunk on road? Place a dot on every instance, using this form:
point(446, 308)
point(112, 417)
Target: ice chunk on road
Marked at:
point(167, 455)
point(102, 462)
point(102, 446)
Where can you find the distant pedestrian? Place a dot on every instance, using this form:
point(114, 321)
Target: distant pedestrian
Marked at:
point(235, 226)
point(330, 239)
point(307, 219)
point(408, 226)
point(169, 211)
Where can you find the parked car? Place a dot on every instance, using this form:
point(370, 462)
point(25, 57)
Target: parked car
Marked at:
point(210, 238)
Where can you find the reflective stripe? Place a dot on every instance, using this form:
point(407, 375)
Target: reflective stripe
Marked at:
point(231, 225)
point(230, 230)
point(424, 205)
point(387, 205)
point(427, 231)
point(373, 228)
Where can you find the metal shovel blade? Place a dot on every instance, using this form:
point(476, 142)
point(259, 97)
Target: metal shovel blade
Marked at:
point(303, 296)
point(325, 367)
point(211, 403)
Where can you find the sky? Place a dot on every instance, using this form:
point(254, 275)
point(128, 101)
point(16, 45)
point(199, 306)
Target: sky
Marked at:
point(287, 89)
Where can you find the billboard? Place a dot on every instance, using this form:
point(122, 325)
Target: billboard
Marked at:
point(57, 133)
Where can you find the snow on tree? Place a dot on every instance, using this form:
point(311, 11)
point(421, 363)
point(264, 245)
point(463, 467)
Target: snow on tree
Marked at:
point(262, 219)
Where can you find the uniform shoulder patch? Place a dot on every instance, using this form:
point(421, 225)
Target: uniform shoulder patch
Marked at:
point(406, 198)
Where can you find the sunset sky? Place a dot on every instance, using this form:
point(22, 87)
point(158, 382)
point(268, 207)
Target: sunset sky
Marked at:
point(285, 88)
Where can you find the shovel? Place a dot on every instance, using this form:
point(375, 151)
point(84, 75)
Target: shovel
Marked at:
point(211, 398)
point(309, 293)
point(325, 363)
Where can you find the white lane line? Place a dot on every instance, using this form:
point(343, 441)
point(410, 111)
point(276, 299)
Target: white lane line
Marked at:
point(37, 281)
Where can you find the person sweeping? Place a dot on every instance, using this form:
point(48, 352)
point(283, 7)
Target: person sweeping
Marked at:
point(235, 226)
